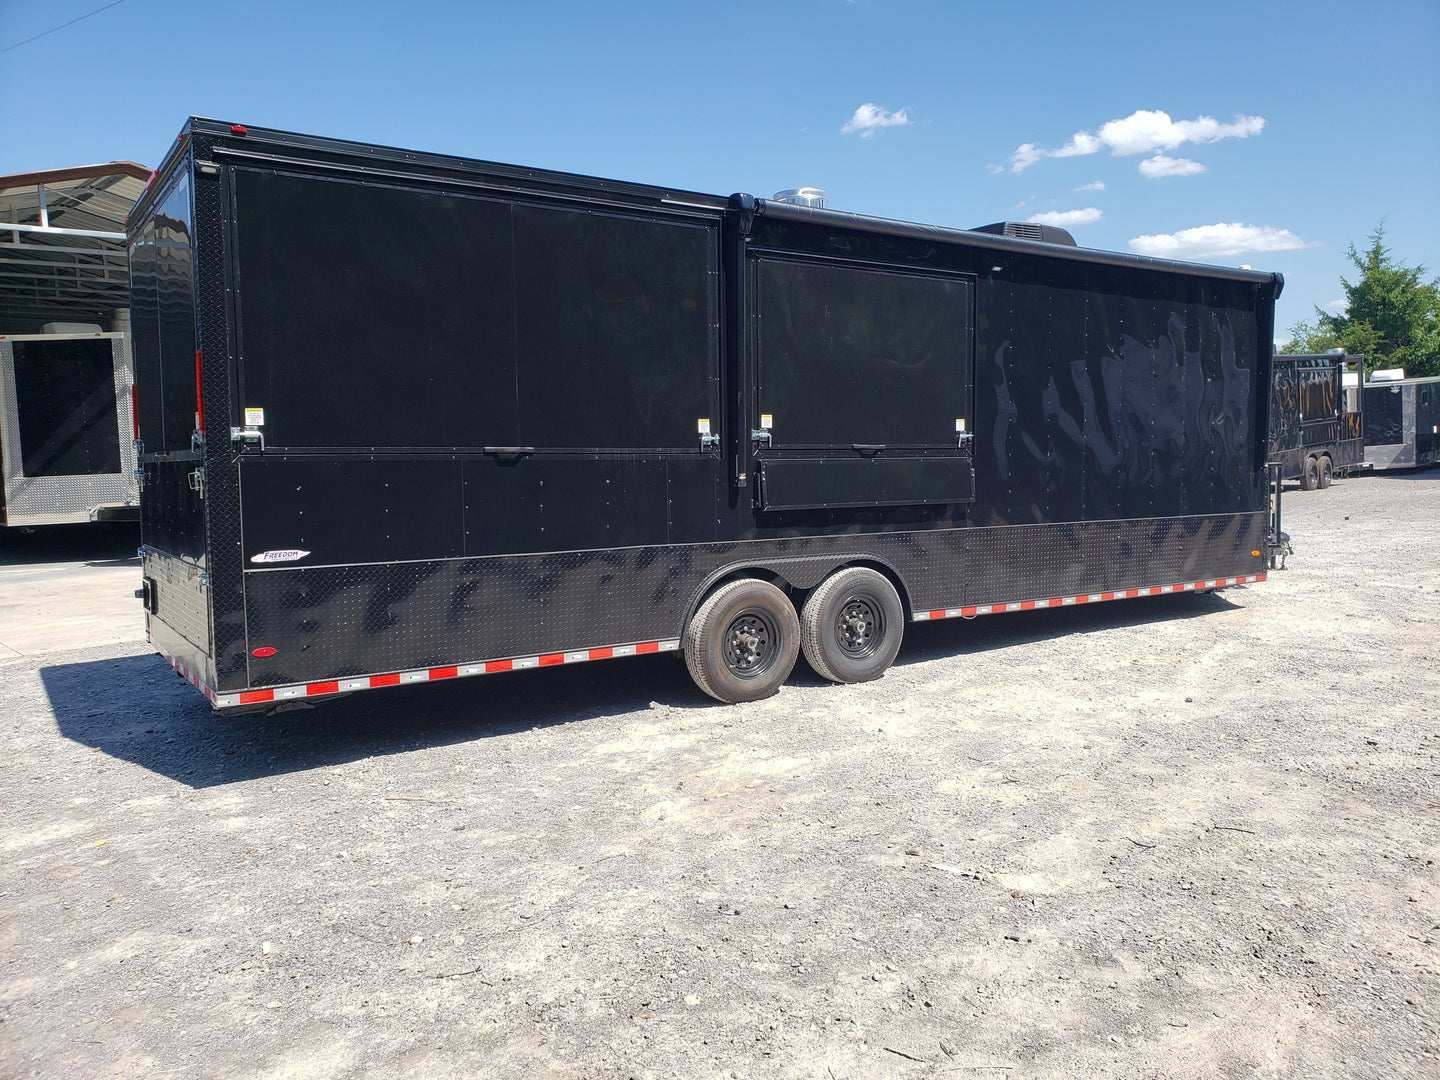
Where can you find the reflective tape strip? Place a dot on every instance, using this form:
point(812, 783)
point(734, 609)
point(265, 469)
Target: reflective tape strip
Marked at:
point(185, 673)
point(1084, 598)
point(404, 678)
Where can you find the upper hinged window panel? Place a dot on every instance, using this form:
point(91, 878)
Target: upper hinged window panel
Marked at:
point(377, 316)
point(857, 356)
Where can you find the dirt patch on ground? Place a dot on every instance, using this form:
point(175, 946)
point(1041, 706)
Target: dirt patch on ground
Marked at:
point(1184, 836)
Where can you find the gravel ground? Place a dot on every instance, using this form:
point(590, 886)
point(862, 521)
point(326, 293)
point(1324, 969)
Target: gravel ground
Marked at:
point(1188, 836)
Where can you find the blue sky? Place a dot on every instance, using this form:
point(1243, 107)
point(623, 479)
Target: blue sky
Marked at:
point(1266, 134)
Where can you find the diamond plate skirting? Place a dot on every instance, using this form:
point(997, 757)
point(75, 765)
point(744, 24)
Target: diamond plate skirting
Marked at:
point(339, 621)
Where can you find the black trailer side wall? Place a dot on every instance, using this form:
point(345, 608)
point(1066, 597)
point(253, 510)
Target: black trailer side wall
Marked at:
point(1402, 423)
point(485, 392)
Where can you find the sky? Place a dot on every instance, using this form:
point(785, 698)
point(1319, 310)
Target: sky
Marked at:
point(1265, 134)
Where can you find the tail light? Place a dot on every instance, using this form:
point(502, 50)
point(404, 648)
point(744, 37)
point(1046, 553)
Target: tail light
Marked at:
point(199, 395)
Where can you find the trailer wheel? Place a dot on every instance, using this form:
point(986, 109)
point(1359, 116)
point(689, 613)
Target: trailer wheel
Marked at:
point(851, 626)
point(742, 643)
point(1325, 474)
point(1310, 475)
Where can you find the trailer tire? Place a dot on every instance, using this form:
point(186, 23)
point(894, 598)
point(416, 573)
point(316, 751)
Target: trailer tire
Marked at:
point(742, 642)
point(851, 626)
point(1310, 475)
point(1325, 474)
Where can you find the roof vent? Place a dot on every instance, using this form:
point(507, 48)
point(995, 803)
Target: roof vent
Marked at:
point(72, 328)
point(1028, 230)
point(802, 196)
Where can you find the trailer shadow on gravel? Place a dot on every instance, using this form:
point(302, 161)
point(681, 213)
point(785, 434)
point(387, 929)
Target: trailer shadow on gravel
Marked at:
point(135, 709)
point(932, 641)
point(101, 544)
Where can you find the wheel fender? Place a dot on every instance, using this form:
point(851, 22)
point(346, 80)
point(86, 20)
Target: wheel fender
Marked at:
point(798, 572)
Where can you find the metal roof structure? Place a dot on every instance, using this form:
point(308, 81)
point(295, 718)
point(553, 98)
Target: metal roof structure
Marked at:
point(62, 244)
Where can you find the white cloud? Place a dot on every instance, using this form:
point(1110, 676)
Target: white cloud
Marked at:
point(1161, 166)
point(870, 118)
point(1094, 185)
point(1338, 307)
point(1142, 132)
point(1066, 218)
point(1025, 155)
point(1210, 241)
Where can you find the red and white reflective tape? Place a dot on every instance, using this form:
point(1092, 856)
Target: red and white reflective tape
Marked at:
point(186, 674)
point(1087, 598)
point(402, 678)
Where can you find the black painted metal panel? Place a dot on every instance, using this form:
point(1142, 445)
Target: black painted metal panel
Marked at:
point(145, 333)
point(175, 294)
point(796, 483)
point(851, 354)
point(330, 622)
point(352, 509)
point(1102, 389)
point(616, 329)
point(65, 400)
point(1384, 413)
point(373, 315)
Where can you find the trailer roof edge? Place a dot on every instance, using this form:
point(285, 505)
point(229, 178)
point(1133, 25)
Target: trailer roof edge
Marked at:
point(388, 156)
point(867, 223)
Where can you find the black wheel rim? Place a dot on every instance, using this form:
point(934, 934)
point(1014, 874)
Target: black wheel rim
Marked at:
point(751, 644)
point(859, 627)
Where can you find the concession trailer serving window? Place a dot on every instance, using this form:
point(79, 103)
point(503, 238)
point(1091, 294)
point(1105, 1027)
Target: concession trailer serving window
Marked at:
point(863, 382)
point(373, 315)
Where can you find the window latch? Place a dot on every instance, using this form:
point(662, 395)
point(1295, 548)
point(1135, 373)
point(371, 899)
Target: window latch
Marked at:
point(247, 434)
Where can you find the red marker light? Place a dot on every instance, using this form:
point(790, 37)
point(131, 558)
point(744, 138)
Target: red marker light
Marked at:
point(263, 651)
point(238, 129)
point(135, 410)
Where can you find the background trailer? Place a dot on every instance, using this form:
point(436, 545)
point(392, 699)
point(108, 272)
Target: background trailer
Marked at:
point(408, 417)
point(1317, 417)
point(66, 434)
point(67, 451)
point(1402, 422)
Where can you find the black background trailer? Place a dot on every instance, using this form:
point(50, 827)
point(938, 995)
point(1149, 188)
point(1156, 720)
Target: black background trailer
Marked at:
point(66, 439)
point(462, 417)
point(1402, 423)
point(1316, 422)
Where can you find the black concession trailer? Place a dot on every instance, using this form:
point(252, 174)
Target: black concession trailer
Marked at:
point(1316, 420)
point(1402, 423)
point(408, 417)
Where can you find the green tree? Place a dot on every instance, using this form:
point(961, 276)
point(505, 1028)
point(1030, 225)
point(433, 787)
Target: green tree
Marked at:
point(1391, 315)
